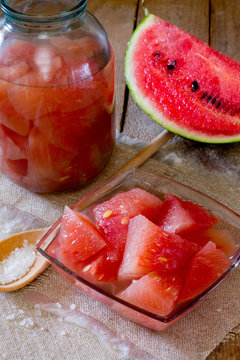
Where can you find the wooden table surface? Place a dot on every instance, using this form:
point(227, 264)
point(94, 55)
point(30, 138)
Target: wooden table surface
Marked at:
point(216, 22)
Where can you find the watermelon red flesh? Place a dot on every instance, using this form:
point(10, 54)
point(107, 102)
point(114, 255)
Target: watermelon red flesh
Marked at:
point(113, 216)
point(178, 216)
point(78, 238)
point(222, 238)
point(102, 268)
point(13, 145)
point(149, 248)
point(154, 293)
point(207, 265)
point(182, 83)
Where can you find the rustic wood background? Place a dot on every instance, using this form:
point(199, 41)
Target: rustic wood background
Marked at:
point(216, 22)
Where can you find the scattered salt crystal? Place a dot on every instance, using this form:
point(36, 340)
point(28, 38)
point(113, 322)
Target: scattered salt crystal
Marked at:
point(29, 322)
point(17, 263)
point(62, 332)
point(73, 306)
point(172, 158)
point(10, 317)
point(10, 221)
point(58, 305)
point(20, 311)
point(38, 311)
point(13, 306)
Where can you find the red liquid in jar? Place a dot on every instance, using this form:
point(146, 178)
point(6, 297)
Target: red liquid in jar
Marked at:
point(56, 113)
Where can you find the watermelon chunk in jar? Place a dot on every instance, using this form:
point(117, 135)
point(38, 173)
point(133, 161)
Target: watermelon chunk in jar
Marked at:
point(56, 97)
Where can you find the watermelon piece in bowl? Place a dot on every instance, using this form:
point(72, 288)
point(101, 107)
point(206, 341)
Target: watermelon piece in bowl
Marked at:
point(222, 238)
point(79, 240)
point(129, 296)
point(180, 217)
point(154, 293)
point(150, 248)
point(204, 269)
point(113, 216)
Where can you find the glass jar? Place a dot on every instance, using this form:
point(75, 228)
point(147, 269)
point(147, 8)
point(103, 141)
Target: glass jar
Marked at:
point(56, 94)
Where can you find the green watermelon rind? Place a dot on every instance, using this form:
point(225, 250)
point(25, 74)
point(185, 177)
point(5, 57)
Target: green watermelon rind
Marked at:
point(145, 103)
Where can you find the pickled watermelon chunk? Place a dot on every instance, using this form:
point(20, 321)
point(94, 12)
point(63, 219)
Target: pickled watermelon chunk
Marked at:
point(178, 216)
point(78, 238)
point(207, 265)
point(14, 72)
point(222, 238)
point(13, 145)
point(155, 270)
point(103, 268)
point(154, 293)
point(150, 248)
point(113, 216)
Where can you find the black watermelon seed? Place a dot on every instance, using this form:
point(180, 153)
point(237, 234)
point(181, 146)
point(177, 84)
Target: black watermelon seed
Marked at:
point(171, 66)
point(204, 95)
point(157, 54)
point(214, 100)
point(194, 86)
point(209, 98)
point(219, 104)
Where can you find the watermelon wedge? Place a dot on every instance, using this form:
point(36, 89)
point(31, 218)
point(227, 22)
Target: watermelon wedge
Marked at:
point(150, 248)
point(207, 265)
point(222, 238)
point(180, 217)
point(78, 238)
point(102, 268)
point(113, 216)
point(154, 293)
point(182, 83)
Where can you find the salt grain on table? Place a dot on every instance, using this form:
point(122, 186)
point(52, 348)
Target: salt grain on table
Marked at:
point(17, 264)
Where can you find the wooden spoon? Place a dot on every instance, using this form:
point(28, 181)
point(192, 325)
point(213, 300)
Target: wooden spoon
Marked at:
point(9, 244)
point(33, 236)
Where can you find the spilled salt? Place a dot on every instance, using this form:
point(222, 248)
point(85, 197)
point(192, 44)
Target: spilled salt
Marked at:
point(17, 264)
point(10, 317)
point(27, 322)
point(38, 311)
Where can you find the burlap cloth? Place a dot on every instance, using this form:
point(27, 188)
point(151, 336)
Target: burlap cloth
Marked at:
point(26, 333)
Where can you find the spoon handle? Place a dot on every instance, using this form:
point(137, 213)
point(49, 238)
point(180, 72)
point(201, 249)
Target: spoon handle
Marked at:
point(148, 151)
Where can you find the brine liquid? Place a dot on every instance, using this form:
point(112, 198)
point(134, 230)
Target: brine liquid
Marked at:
point(56, 113)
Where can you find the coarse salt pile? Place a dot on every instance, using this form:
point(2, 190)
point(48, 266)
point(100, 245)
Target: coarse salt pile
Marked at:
point(17, 264)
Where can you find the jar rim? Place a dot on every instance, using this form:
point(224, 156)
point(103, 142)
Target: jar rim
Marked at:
point(42, 18)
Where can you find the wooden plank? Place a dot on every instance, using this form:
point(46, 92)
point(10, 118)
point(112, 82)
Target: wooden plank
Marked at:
point(117, 17)
point(225, 27)
point(229, 348)
point(224, 33)
point(190, 15)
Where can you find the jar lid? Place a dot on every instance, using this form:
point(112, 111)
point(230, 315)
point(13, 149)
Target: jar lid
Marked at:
point(42, 11)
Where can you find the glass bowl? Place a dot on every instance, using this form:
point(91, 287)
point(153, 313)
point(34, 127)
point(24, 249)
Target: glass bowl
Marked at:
point(159, 186)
